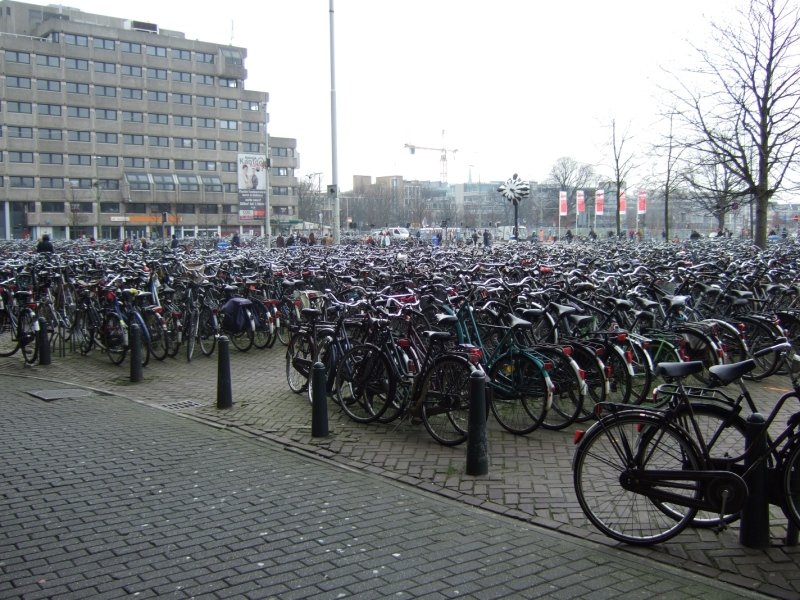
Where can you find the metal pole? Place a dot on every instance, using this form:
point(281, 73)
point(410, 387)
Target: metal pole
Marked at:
point(319, 401)
point(224, 386)
point(754, 528)
point(135, 340)
point(477, 446)
point(267, 168)
point(335, 164)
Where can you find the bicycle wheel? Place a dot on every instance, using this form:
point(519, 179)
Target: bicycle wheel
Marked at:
point(620, 381)
point(594, 377)
point(790, 480)
point(568, 389)
point(243, 340)
point(521, 392)
point(262, 335)
point(9, 342)
point(174, 333)
point(191, 323)
point(299, 358)
point(157, 330)
point(698, 346)
point(609, 454)
point(642, 379)
point(114, 338)
point(445, 394)
point(365, 383)
point(759, 336)
point(28, 328)
point(206, 331)
point(325, 355)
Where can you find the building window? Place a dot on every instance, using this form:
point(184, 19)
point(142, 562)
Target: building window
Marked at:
point(231, 188)
point(179, 54)
point(106, 114)
point(77, 64)
point(188, 183)
point(252, 105)
point(212, 183)
point(228, 124)
point(49, 134)
point(209, 209)
point(206, 165)
point(156, 73)
point(281, 172)
point(207, 144)
point(20, 132)
point(205, 122)
point(155, 96)
point(134, 162)
point(45, 60)
point(21, 107)
point(77, 88)
point(205, 79)
point(52, 207)
point(204, 57)
point(159, 163)
point(278, 151)
point(138, 208)
point(133, 116)
point(158, 140)
point(138, 181)
point(228, 167)
point(182, 76)
point(186, 208)
point(228, 103)
point(104, 67)
point(81, 112)
point(230, 146)
point(18, 57)
point(232, 57)
point(16, 181)
point(51, 183)
point(131, 47)
point(131, 70)
point(253, 147)
point(164, 182)
point(104, 44)
point(182, 142)
point(280, 190)
point(109, 184)
point(107, 161)
point(182, 98)
point(51, 158)
point(184, 165)
point(131, 139)
point(182, 121)
point(110, 207)
point(76, 40)
point(48, 85)
point(206, 101)
point(156, 51)
point(158, 118)
point(20, 157)
point(105, 90)
point(18, 82)
point(251, 126)
point(104, 137)
point(229, 83)
point(80, 160)
point(229, 209)
point(132, 93)
point(79, 136)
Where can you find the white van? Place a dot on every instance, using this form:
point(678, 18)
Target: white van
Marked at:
point(400, 233)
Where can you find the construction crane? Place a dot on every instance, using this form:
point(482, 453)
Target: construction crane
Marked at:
point(443, 152)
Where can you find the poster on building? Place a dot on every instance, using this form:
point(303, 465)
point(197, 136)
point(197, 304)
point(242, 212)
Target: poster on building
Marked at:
point(599, 198)
point(562, 204)
point(623, 202)
point(581, 204)
point(642, 207)
point(252, 186)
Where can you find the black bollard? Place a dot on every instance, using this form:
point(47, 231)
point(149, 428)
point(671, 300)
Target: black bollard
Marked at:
point(135, 341)
point(224, 393)
point(754, 530)
point(43, 342)
point(319, 401)
point(477, 446)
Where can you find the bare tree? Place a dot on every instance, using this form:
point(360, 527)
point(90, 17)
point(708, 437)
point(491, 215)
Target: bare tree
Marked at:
point(712, 188)
point(747, 119)
point(571, 176)
point(622, 164)
point(670, 151)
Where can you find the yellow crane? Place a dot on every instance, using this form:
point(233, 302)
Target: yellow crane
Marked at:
point(443, 152)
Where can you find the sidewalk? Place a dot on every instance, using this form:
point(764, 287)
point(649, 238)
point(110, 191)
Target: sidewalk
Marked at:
point(529, 480)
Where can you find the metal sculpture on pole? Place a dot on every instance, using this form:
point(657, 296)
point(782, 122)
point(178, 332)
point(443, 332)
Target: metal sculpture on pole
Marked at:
point(514, 190)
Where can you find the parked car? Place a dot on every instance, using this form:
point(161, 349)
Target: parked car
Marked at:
point(400, 233)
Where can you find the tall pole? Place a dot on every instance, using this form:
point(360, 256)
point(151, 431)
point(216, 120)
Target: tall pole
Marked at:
point(267, 169)
point(335, 163)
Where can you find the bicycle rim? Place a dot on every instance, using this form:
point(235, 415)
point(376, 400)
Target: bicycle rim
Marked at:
point(445, 400)
point(364, 386)
point(521, 393)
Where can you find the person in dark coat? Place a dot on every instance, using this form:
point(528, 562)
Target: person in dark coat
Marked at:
point(45, 245)
point(174, 243)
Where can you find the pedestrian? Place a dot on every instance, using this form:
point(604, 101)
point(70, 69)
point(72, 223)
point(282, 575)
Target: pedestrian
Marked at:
point(280, 242)
point(235, 241)
point(290, 241)
point(474, 237)
point(592, 235)
point(487, 238)
point(695, 235)
point(45, 245)
point(386, 240)
point(143, 243)
point(568, 235)
point(312, 239)
point(174, 243)
point(126, 245)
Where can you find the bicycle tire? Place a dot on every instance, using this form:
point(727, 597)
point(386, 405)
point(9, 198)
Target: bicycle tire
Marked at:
point(28, 328)
point(608, 450)
point(790, 480)
point(594, 377)
point(299, 359)
point(521, 392)
point(445, 399)
point(206, 332)
point(157, 330)
point(698, 346)
point(568, 389)
point(174, 334)
point(113, 334)
point(191, 324)
point(365, 383)
point(642, 366)
point(324, 356)
point(620, 380)
point(759, 335)
point(9, 340)
point(262, 334)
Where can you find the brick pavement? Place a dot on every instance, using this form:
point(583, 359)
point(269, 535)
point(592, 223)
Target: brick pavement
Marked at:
point(529, 477)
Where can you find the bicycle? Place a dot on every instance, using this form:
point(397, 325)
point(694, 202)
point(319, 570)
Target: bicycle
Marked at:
point(18, 323)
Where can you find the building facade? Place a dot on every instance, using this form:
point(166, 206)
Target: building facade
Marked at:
point(116, 128)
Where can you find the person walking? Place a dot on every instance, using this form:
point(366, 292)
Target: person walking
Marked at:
point(174, 243)
point(487, 238)
point(45, 245)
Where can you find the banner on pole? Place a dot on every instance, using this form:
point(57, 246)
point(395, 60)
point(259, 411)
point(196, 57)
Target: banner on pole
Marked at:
point(581, 204)
point(599, 197)
point(642, 206)
point(562, 204)
point(623, 203)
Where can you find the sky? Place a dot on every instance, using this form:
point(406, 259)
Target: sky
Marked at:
point(506, 86)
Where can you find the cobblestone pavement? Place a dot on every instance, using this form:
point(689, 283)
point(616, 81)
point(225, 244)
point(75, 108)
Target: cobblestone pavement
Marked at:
point(529, 477)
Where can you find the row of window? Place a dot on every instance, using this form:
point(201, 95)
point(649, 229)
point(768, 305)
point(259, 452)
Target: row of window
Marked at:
point(136, 182)
point(138, 208)
point(231, 54)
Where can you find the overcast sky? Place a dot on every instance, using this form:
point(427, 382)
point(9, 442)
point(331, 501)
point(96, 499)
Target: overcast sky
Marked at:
point(513, 84)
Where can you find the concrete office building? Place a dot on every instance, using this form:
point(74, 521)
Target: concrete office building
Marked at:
point(116, 128)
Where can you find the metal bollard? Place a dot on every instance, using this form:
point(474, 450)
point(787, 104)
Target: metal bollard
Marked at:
point(135, 340)
point(754, 530)
point(43, 343)
point(319, 401)
point(224, 393)
point(477, 446)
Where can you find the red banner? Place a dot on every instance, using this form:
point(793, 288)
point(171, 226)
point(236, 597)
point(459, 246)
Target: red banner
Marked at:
point(623, 203)
point(581, 204)
point(562, 204)
point(599, 197)
point(642, 207)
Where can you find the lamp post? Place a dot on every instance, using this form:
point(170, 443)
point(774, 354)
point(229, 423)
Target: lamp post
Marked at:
point(97, 197)
point(514, 190)
point(267, 168)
